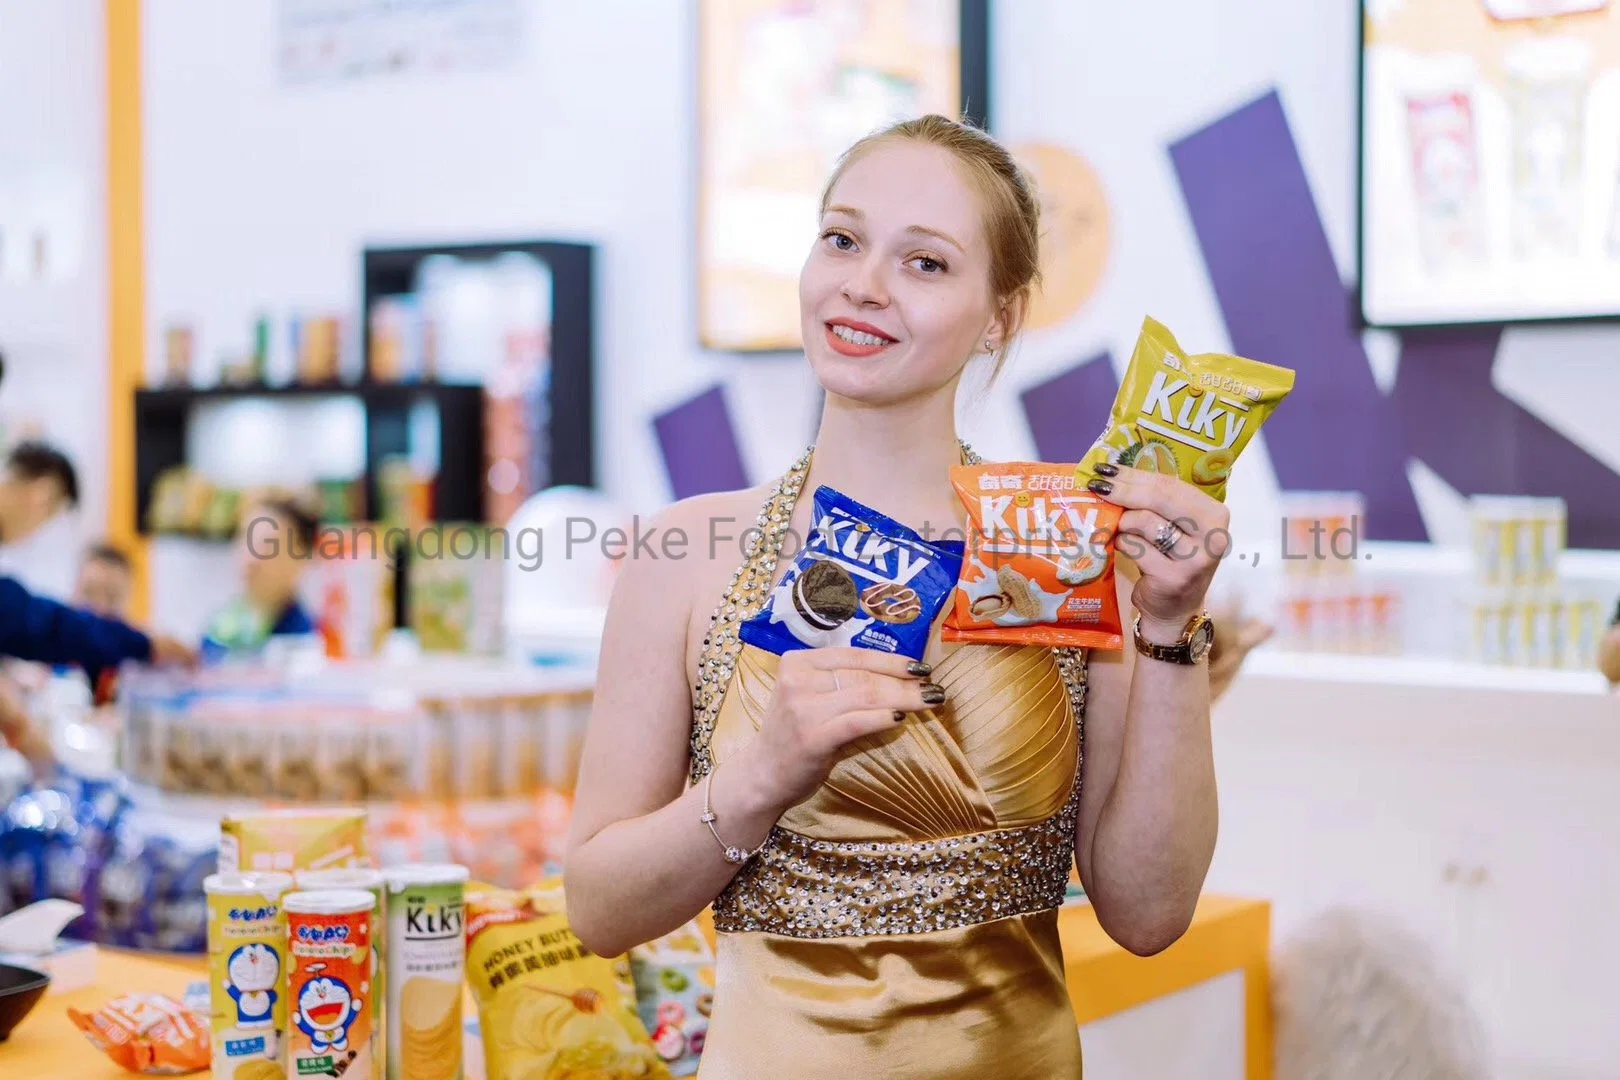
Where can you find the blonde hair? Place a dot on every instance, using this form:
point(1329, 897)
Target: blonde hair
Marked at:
point(1012, 214)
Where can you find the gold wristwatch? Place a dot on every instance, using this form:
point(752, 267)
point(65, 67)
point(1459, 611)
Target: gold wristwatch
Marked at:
point(1193, 647)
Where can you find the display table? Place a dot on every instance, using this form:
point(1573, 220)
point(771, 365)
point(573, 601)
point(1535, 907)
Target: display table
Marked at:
point(1209, 991)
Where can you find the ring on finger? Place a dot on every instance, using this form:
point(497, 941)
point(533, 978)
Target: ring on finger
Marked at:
point(1168, 536)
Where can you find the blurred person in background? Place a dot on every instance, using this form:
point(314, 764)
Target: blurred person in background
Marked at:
point(39, 489)
point(104, 582)
point(278, 543)
point(1609, 650)
point(38, 483)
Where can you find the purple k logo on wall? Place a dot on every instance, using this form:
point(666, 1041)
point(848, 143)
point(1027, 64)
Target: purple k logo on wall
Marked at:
point(1279, 291)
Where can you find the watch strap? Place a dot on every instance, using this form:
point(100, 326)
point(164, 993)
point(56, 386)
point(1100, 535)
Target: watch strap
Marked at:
point(1178, 652)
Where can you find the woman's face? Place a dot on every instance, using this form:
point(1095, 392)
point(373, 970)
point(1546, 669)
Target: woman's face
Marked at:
point(895, 296)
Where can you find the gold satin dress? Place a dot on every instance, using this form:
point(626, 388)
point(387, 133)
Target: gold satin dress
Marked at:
point(902, 921)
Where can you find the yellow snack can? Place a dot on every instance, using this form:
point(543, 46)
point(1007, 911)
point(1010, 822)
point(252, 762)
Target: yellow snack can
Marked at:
point(247, 974)
point(1189, 415)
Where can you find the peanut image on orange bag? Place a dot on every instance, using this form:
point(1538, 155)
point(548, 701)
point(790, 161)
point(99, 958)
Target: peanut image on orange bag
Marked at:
point(1039, 565)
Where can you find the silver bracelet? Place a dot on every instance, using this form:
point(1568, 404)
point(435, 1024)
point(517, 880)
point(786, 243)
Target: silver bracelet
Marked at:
point(734, 855)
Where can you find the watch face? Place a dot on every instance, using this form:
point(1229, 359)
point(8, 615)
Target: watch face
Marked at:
point(1202, 639)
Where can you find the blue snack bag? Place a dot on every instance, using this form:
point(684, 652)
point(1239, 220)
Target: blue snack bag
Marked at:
point(863, 579)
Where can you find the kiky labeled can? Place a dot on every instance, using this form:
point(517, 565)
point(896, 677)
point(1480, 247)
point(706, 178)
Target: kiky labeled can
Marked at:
point(373, 882)
point(247, 968)
point(330, 985)
point(426, 962)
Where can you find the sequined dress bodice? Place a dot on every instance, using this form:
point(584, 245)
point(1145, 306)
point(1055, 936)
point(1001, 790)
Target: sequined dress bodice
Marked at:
point(902, 920)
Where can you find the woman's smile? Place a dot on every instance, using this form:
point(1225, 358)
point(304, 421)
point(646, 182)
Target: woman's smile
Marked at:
point(848, 337)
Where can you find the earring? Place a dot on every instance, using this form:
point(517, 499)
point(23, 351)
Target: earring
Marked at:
point(988, 347)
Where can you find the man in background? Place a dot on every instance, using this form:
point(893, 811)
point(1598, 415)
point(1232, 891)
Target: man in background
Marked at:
point(38, 485)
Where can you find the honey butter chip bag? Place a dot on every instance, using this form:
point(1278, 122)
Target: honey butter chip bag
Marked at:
point(1039, 567)
point(1187, 415)
point(548, 1008)
point(148, 1033)
point(862, 579)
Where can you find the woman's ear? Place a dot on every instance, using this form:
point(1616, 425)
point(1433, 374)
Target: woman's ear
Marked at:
point(1009, 319)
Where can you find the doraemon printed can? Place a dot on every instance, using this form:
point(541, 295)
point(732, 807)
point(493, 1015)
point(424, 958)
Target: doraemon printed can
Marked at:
point(330, 988)
point(247, 968)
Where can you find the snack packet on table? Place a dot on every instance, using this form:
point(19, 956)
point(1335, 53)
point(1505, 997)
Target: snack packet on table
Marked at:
point(148, 1033)
point(547, 1006)
point(1039, 567)
point(863, 579)
point(1186, 415)
point(675, 994)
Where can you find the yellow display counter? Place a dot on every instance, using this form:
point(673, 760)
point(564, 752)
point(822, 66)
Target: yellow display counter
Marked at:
point(1204, 1003)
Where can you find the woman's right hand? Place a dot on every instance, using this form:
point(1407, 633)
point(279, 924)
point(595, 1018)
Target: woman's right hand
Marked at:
point(824, 700)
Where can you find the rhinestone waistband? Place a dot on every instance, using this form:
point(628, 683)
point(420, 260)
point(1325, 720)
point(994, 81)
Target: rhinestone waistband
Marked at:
point(804, 888)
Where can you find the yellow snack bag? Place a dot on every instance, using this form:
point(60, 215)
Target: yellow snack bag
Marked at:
point(1188, 415)
point(292, 840)
point(549, 1009)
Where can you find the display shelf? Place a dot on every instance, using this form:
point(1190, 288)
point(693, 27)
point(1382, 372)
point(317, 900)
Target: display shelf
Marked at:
point(1431, 672)
point(162, 417)
point(570, 409)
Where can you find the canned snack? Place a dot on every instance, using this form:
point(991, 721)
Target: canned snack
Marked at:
point(373, 882)
point(247, 943)
point(426, 962)
point(330, 984)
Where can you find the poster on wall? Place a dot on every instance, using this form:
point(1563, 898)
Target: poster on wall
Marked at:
point(325, 41)
point(784, 87)
point(1490, 161)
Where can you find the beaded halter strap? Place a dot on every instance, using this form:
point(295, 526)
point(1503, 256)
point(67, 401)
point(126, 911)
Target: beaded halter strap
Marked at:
point(749, 591)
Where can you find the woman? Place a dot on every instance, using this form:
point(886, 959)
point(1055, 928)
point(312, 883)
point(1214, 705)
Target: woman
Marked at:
point(912, 825)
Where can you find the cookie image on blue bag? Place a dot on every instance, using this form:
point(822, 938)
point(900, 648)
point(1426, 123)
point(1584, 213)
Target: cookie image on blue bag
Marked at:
point(825, 595)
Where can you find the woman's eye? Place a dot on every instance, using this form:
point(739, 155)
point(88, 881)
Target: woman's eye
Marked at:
point(840, 241)
point(928, 265)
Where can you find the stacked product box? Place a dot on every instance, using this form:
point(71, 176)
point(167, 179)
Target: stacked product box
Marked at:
point(1325, 604)
point(1517, 611)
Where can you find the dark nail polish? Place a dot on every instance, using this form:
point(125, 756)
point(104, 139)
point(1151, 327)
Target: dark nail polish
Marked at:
point(933, 694)
point(1101, 487)
point(920, 669)
point(898, 716)
point(1103, 468)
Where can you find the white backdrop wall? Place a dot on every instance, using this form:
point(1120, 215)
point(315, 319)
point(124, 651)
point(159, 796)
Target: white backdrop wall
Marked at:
point(261, 196)
point(53, 327)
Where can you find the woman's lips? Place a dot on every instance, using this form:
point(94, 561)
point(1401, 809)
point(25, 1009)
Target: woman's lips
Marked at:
point(866, 341)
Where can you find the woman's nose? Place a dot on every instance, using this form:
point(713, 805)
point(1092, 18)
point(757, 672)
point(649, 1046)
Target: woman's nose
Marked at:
point(865, 287)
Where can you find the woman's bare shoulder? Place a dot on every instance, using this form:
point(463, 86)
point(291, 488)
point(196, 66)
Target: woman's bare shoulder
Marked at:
point(685, 548)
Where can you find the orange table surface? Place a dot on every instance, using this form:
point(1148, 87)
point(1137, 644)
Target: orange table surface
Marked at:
point(1227, 934)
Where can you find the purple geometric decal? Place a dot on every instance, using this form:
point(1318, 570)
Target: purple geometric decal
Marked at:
point(1067, 412)
point(1484, 443)
point(1279, 290)
point(700, 446)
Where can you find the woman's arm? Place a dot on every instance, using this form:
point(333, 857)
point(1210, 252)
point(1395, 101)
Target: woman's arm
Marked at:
point(641, 862)
point(1148, 811)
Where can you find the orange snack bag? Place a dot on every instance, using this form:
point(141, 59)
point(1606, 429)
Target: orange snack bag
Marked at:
point(148, 1033)
point(1039, 564)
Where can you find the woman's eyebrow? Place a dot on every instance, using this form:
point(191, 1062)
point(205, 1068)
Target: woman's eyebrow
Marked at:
point(921, 230)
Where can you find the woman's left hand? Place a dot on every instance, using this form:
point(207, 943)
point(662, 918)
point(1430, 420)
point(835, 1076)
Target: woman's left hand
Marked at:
point(1173, 584)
